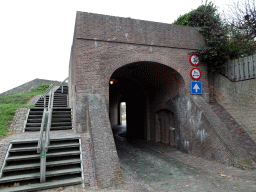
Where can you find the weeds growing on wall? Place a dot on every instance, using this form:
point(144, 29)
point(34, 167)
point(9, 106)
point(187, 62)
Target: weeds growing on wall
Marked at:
point(10, 103)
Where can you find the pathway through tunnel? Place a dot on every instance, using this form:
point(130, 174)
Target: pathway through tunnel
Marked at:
point(148, 90)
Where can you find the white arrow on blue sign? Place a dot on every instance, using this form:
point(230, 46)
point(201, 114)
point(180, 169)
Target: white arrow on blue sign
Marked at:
point(196, 87)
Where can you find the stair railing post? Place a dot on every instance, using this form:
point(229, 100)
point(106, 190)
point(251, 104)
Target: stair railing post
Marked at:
point(44, 101)
point(42, 164)
point(41, 148)
point(48, 128)
point(62, 89)
point(44, 139)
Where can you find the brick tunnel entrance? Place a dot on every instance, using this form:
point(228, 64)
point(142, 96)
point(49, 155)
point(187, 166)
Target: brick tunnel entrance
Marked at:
point(148, 89)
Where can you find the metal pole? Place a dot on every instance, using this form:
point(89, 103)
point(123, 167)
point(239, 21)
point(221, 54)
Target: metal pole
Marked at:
point(61, 89)
point(42, 164)
point(44, 101)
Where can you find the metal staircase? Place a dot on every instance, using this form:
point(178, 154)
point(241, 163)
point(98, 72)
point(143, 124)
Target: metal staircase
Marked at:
point(32, 165)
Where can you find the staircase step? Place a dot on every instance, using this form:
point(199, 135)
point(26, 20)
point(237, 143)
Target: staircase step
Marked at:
point(35, 116)
point(21, 167)
point(34, 120)
point(46, 185)
point(63, 162)
point(52, 128)
point(36, 113)
point(61, 128)
point(63, 154)
point(20, 177)
point(63, 172)
point(61, 123)
point(32, 129)
point(64, 146)
point(23, 149)
point(36, 165)
point(33, 125)
point(24, 157)
point(61, 116)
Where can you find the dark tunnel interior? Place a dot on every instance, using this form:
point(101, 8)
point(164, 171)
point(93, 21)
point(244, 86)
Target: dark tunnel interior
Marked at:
point(146, 87)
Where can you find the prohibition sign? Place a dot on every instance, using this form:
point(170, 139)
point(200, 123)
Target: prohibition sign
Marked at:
point(195, 73)
point(194, 59)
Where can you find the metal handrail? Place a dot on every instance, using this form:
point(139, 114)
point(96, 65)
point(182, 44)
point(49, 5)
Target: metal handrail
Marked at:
point(63, 81)
point(61, 85)
point(44, 139)
point(45, 93)
point(48, 128)
point(39, 146)
point(47, 90)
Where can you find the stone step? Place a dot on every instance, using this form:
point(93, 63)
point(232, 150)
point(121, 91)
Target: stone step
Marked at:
point(20, 149)
point(35, 117)
point(18, 178)
point(57, 124)
point(36, 113)
point(60, 116)
point(23, 149)
point(38, 120)
point(24, 157)
point(63, 154)
point(37, 165)
point(61, 119)
point(54, 113)
point(63, 172)
point(46, 185)
point(52, 128)
point(64, 146)
point(21, 167)
point(54, 102)
point(33, 125)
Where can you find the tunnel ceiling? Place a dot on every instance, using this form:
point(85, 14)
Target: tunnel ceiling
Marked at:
point(153, 78)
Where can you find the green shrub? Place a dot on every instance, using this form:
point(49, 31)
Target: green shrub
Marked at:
point(221, 44)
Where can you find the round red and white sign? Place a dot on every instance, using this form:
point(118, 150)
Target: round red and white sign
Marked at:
point(194, 59)
point(195, 73)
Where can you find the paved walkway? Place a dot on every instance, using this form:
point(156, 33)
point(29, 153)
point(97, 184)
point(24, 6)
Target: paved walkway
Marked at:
point(148, 166)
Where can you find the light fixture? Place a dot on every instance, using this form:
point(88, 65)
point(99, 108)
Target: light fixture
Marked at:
point(112, 81)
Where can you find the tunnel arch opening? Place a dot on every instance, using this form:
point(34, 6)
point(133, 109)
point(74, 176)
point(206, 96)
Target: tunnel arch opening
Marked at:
point(148, 89)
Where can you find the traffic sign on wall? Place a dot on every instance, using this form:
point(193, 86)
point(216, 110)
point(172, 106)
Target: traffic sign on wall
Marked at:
point(195, 73)
point(194, 59)
point(195, 87)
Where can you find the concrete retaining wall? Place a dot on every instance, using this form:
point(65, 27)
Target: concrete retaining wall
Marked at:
point(239, 99)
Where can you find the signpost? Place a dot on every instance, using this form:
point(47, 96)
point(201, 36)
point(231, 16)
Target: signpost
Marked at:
point(196, 87)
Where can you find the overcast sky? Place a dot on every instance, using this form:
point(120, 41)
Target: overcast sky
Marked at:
point(36, 36)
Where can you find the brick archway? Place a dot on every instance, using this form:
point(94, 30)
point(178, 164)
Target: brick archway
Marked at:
point(145, 87)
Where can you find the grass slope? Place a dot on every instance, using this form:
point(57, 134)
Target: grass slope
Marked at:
point(10, 103)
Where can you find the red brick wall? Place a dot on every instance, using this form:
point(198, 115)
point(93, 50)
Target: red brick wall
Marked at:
point(102, 44)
